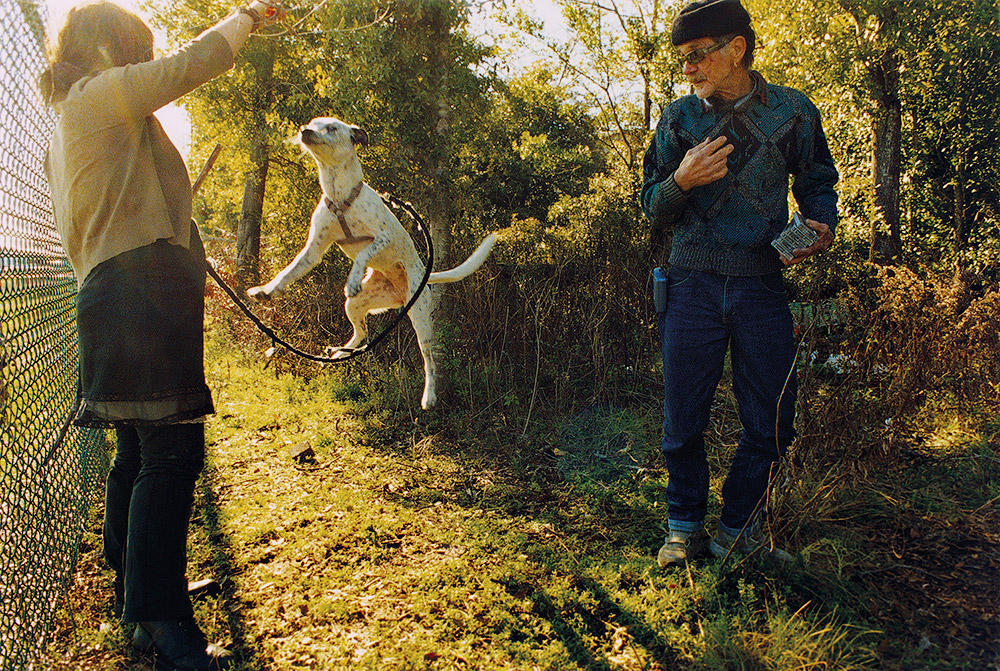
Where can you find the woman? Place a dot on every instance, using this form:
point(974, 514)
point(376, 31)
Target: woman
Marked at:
point(122, 203)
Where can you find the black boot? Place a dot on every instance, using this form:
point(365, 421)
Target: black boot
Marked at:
point(119, 604)
point(206, 587)
point(180, 646)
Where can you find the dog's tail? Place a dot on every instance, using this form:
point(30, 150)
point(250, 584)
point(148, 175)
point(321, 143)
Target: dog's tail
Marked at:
point(469, 266)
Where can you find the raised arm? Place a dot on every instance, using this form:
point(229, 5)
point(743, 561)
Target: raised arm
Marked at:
point(137, 90)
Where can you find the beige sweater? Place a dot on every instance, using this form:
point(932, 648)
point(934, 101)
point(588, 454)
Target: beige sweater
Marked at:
point(117, 181)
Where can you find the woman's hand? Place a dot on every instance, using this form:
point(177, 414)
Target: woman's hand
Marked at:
point(269, 12)
point(236, 28)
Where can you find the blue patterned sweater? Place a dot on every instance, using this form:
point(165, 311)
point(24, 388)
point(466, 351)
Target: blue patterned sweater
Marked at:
point(726, 227)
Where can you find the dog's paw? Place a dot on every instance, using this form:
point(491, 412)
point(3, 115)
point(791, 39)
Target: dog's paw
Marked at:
point(352, 288)
point(258, 293)
point(429, 400)
point(263, 293)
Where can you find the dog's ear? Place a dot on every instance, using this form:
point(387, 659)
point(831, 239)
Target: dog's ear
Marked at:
point(359, 136)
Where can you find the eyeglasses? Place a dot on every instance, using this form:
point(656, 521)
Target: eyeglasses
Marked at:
point(696, 56)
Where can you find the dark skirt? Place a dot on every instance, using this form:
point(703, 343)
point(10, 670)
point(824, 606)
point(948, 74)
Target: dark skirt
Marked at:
point(140, 317)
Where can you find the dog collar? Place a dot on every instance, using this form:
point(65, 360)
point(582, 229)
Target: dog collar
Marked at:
point(340, 209)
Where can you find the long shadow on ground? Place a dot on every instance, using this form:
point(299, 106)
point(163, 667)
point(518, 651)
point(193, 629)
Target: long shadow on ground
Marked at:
point(225, 567)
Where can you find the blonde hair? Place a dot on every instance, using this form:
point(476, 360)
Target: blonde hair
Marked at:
point(95, 36)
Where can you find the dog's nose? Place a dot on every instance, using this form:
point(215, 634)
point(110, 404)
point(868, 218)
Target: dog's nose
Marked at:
point(307, 135)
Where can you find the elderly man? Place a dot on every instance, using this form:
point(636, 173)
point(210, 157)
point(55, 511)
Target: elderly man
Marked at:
point(717, 174)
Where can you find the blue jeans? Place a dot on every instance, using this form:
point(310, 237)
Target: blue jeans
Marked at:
point(706, 315)
point(150, 492)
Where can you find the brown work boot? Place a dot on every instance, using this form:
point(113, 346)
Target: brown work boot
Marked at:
point(750, 541)
point(681, 546)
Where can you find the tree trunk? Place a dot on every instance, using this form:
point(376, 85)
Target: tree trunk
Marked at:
point(963, 223)
point(887, 132)
point(441, 209)
point(962, 227)
point(441, 204)
point(441, 199)
point(882, 62)
point(248, 231)
point(252, 211)
point(647, 104)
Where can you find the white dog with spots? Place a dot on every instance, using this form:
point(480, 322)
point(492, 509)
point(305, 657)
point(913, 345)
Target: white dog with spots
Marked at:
point(353, 215)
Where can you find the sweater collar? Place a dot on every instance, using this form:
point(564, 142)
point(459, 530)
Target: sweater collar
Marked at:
point(758, 92)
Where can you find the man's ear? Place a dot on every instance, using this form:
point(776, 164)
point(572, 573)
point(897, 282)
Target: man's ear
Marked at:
point(738, 45)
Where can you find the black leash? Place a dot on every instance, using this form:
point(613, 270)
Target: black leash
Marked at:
point(369, 344)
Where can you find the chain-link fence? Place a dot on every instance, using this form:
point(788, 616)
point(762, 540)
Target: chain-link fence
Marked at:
point(48, 469)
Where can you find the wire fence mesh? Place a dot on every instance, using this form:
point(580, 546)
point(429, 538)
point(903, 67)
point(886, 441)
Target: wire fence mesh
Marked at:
point(48, 469)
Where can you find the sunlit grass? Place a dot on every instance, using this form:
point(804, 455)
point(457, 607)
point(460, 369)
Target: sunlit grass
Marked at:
point(455, 539)
point(432, 543)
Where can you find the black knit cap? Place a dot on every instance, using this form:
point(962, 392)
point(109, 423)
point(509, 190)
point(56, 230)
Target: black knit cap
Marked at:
point(709, 18)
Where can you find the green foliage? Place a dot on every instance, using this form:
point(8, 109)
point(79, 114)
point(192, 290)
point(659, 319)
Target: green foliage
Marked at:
point(954, 151)
point(533, 144)
point(946, 83)
point(789, 642)
point(611, 52)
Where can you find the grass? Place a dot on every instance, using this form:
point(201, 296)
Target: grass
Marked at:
point(459, 539)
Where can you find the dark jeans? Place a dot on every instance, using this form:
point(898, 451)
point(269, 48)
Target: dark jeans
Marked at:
point(705, 315)
point(150, 492)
